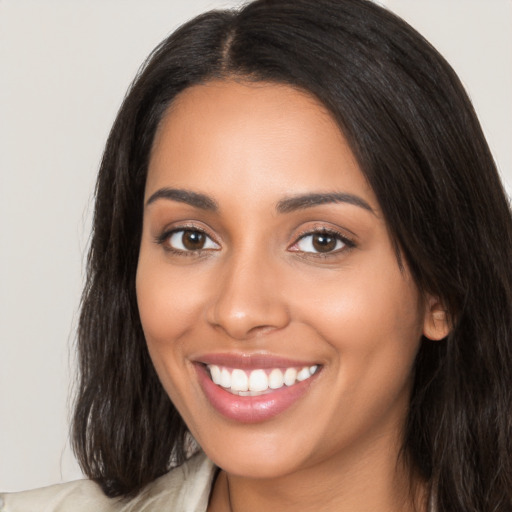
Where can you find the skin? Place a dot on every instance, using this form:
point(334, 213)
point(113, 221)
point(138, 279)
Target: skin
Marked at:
point(258, 286)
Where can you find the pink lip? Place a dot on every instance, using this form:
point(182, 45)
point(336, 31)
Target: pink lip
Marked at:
point(251, 409)
point(252, 361)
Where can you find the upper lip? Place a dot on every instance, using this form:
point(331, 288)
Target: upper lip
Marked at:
point(251, 361)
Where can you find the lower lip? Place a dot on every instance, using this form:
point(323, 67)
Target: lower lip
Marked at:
point(251, 409)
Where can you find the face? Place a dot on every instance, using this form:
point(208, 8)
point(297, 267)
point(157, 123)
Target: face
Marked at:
point(270, 295)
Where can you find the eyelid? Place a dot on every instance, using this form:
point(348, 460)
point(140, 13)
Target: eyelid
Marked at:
point(168, 232)
point(348, 242)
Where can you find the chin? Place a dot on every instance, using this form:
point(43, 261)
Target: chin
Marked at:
point(258, 456)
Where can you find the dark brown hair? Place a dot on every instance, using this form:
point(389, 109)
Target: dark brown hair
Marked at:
point(419, 144)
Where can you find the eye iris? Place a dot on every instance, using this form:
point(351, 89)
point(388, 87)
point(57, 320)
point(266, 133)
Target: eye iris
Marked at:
point(193, 240)
point(323, 242)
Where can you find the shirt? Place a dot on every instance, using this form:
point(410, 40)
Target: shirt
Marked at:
point(185, 488)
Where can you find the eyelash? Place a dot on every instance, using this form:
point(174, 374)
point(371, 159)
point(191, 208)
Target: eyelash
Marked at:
point(348, 244)
point(164, 237)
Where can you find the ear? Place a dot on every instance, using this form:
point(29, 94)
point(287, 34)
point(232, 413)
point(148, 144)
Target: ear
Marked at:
point(436, 323)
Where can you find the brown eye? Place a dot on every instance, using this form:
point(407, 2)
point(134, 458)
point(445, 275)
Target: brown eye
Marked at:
point(189, 240)
point(193, 240)
point(323, 242)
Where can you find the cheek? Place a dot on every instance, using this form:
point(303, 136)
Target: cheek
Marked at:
point(169, 304)
point(169, 307)
point(373, 327)
point(377, 299)
point(372, 321)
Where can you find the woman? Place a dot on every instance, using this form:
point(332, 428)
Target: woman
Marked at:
point(301, 239)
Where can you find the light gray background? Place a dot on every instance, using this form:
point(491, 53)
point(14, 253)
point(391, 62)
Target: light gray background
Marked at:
point(64, 68)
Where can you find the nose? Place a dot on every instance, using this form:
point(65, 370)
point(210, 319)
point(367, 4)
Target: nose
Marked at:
point(248, 298)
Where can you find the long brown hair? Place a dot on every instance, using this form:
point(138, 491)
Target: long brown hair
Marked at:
point(418, 142)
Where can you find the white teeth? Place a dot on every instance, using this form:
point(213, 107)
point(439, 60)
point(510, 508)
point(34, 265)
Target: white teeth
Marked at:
point(239, 381)
point(225, 378)
point(258, 381)
point(215, 372)
point(289, 376)
point(303, 374)
point(276, 379)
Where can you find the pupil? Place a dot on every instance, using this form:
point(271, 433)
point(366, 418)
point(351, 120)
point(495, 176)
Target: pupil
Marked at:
point(324, 243)
point(193, 240)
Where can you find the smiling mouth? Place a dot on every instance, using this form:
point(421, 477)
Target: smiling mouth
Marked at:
point(258, 381)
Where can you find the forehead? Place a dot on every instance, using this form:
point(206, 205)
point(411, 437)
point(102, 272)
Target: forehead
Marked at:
point(257, 137)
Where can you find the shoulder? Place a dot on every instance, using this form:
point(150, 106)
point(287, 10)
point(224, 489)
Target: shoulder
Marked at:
point(185, 488)
point(84, 494)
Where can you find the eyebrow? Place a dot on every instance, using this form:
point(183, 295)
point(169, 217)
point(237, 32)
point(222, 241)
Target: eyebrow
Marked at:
point(185, 196)
point(287, 205)
point(310, 200)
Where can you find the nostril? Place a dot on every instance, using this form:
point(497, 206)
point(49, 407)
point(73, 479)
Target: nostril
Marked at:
point(255, 318)
point(246, 298)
